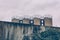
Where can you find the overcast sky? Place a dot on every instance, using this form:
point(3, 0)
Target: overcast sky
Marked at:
point(10, 8)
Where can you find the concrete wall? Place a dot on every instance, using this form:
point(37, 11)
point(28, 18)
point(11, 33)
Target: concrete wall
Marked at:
point(15, 20)
point(36, 21)
point(2, 31)
point(14, 31)
point(26, 21)
point(18, 35)
point(48, 21)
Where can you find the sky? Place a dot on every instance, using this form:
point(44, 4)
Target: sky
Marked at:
point(11, 8)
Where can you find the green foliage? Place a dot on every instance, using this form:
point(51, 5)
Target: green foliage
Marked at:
point(50, 35)
point(47, 35)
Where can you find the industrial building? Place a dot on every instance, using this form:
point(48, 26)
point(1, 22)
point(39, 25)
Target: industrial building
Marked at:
point(25, 28)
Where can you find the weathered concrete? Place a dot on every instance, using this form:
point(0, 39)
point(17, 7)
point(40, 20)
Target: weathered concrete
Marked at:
point(17, 31)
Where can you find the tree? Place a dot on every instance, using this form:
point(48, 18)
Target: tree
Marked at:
point(50, 35)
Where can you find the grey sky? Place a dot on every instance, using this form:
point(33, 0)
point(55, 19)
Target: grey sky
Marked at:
point(10, 8)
